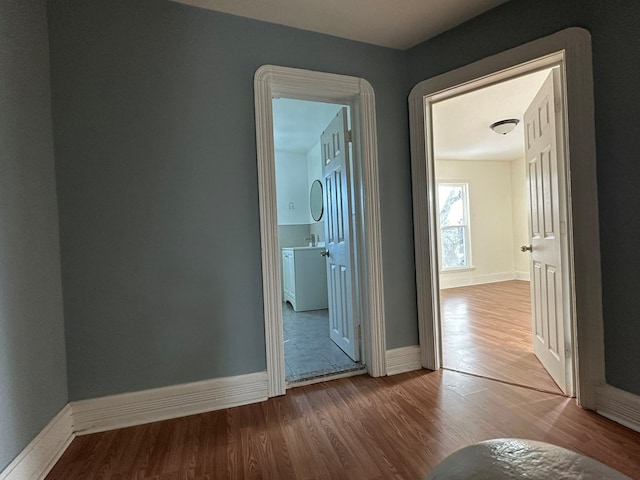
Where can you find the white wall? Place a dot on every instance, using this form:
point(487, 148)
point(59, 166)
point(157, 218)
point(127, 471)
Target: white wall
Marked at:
point(314, 170)
point(295, 173)
point(292, 188)
point(520, 211)
point(314, 166)
point(493, 247)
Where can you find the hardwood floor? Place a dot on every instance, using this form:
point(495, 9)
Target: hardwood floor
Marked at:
point(358, 428)
point(486, 331)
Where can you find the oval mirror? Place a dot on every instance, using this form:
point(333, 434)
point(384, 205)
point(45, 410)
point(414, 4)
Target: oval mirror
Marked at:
point(315, 200)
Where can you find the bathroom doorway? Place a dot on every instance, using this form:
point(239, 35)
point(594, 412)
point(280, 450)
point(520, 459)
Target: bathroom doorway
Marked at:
point(271, 81)
point(314, 346)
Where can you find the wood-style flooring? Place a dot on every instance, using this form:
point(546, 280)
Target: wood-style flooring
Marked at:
point(486, 331)
point(358, 428)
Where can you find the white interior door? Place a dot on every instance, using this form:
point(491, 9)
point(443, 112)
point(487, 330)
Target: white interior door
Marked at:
point(550, 342)
point(338, 251)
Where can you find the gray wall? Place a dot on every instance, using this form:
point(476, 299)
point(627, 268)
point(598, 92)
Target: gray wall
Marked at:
point(157, 186)
point(33, 384)
point(293, 235)
point(158, 194)
point(616, 50)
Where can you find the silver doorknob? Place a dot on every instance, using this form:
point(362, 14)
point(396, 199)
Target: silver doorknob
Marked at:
point(325, 253)
point(526, 248)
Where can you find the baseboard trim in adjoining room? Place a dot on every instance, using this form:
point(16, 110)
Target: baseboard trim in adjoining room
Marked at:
point(39, 457)
point(620, 406)
point(129, 409)
point(404, 359)
point(449, 282)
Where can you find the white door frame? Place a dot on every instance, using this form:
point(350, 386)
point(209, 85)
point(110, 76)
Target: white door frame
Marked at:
point(274, 81)
point(572, 49)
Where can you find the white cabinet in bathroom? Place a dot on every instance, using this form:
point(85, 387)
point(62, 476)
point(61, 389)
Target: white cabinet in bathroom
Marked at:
point(304, 274)
point(288, 274)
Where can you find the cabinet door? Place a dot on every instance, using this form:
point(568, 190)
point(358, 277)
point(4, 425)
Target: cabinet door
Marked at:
point(287, 273)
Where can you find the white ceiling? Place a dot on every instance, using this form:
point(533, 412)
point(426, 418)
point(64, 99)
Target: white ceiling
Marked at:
point(297, 124)
point(397, 24)
point(461, 124)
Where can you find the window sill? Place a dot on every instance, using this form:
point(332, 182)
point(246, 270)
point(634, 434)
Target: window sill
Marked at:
point(456, 270)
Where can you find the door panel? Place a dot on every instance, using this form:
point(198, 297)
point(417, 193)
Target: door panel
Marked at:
point(541, 150)
point(552, 309)
point(343, 322)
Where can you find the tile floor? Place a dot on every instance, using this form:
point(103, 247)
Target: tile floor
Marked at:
point(308, 350)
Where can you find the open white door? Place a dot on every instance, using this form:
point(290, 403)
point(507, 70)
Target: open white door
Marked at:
point(546, 221)
point(338, 251)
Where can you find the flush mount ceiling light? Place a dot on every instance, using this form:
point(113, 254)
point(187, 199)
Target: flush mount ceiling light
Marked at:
point(503, 127)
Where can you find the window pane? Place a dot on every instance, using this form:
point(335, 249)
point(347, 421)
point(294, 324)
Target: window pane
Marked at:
point(451, 201)
point(453, 247)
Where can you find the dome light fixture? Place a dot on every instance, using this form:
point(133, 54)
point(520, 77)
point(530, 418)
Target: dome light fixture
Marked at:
point(503, 127)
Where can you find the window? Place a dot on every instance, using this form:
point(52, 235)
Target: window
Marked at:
point(455, 247)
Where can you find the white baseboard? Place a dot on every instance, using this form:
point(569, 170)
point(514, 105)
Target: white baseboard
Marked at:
point(447, 281)
point(128, 409)
point(336, 376)
point(620, 406)
point(525, 276)
point(405, 359)
point(37, 459)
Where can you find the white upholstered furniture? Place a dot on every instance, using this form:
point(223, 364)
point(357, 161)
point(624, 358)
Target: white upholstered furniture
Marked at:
point(511, 458)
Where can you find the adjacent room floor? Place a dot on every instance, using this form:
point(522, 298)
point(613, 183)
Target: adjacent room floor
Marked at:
point(308, 350)
point(486, 331)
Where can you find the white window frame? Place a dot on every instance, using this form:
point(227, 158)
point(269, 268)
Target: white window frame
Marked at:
point(466, 225)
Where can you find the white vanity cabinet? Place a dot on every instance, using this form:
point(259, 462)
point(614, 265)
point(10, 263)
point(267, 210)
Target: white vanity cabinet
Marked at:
point(304, 275)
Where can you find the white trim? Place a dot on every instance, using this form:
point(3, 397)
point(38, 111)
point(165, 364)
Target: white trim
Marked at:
point(405, 359)
point(573, 47)
point(128, 409)
point(525, 276)
point(620, 406)
point(274, 81)
point(326, 378)
point(468, 251)
point(447, 282)
point(39, 457)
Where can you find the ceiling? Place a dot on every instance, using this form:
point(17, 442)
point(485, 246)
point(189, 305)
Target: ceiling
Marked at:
point(297, 124)
point(395, 24)
point(461, 124)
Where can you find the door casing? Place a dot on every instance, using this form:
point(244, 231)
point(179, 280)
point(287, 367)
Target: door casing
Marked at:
point(571, 49)
point(272, 81)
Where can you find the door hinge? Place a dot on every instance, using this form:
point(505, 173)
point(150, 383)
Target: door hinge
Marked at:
point(359, 331)
point(563, 227)
point(567, 351)
point(349, 136)
point(557, 104)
